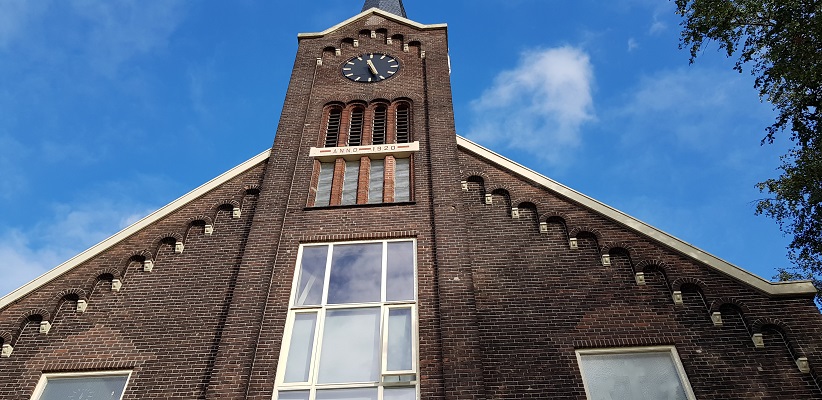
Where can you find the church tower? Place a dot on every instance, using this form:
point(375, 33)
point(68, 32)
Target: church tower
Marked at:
point(373, 254)
point(364, 162)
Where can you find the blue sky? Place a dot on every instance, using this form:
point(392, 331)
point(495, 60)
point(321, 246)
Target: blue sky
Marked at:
point(111, 109)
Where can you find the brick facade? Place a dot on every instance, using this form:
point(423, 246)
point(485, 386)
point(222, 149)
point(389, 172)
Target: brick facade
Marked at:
point(504, 301)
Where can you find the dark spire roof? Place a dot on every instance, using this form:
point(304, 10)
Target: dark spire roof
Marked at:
point(393, 6)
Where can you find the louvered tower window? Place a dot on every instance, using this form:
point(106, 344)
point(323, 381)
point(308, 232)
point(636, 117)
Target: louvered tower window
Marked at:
point(403, 124)
point(332, 131)
point(378, 136)
point(355, 132)
point(382, 172)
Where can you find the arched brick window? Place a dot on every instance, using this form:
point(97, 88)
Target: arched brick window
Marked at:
point(379, 126)
point(403, 123)
point(332, 127)
point(367, 169)
point(355, 129)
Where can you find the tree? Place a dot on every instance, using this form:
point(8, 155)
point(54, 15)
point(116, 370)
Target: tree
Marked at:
point(780, 41)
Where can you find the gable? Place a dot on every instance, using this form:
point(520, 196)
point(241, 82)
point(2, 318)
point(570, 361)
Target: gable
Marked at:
point(369, 13)
point(134, 228)
point(802, 288)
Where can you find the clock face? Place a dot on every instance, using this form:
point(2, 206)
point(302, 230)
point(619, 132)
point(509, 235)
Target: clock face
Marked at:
point(371, 67)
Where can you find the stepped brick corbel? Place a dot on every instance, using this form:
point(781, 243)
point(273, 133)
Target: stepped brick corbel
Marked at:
point(6, 351)
point(758, 340)
point(677, 297)
point(716, 318)
point(803, 365)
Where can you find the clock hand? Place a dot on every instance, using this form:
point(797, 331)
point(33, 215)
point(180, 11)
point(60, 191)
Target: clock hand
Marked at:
point(371, 67)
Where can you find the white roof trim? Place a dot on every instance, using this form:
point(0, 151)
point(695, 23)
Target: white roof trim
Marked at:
point(133, 228)
point(373, 10)
point(770, 288)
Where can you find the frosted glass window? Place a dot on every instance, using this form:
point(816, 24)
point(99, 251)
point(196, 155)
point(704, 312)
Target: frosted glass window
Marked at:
point(298, 395)
point(351, 346)
point(312, 276)
point(400, 394)
point(632, 376)
point(347, 394)
point(85, 388)
point(352, 175)
point(300, 348)
point(400, 271)
point(356, 273)
point(323, 197)
point(400, 343)
point(375, 181)
point(402, 180)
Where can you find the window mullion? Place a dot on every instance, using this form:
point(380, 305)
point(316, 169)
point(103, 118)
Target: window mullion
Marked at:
point(315, 360)
point(327, 277)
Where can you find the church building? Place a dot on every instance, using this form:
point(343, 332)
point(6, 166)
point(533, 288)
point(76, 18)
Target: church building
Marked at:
point(373, 254)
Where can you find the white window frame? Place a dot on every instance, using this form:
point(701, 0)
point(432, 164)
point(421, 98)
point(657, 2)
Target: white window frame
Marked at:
point(41, 384)
point(670, 350)
point(384, 305)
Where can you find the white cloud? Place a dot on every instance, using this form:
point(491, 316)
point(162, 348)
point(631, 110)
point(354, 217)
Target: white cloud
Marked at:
point(63, 232)
point(632, 44)
point(539, 106)
point(124, 29)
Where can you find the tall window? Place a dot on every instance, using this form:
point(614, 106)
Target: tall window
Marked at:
point(332, 130)
point(108, 385)
point(351, 330)
point(403, 124)
point(350, 180)
point(363, 170)
point(355, 131)
point(323, 196)
point(378, 132)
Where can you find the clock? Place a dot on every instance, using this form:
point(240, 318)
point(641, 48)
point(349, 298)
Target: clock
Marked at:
point(371, 67)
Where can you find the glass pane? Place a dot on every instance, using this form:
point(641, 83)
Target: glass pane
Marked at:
point(376, 178)
point(400, 394)
point(324, 185)
point(400, 271)
point(356, 273)
point(402, 180)
point(312, 276)
point(299, 395)
point(399, 339)
point(348, 394)
point(639, 376)
point(352, 174)
point(85, 388)
point(351, 346)
point(300, 347)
